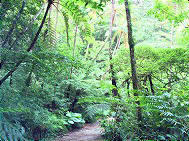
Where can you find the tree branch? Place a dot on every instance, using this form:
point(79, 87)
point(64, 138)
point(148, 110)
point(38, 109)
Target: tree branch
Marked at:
point(26, 28)
point(30, 47)
point(11, 30)
point(13, 24)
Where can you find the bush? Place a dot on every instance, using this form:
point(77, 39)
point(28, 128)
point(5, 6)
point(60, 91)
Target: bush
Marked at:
point(165, 117)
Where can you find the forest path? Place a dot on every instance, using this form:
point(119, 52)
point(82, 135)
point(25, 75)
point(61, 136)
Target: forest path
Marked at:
point(89, 132)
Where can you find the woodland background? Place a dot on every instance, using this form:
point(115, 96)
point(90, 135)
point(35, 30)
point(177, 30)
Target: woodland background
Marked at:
point(67, 62)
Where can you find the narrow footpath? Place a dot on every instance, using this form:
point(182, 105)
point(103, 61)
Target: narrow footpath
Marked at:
point(89, 132)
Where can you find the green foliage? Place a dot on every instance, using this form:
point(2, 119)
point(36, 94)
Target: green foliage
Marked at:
point(165, 117)
point(50, 121)
point(169, 115)
point(78, 12)
point(162, 11)
point(168, 11)
point(10, 130)
point(50, 34)
point(182, 37)
point(74, 119)
point(60, 123)
point(63, 83)
point(66, 20)
point(155, 61)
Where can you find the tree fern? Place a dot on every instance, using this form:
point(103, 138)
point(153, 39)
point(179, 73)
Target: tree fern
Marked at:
point(79, 17)
point(93, 110)
point(167, 110)
point(51, 35)
point(11, 131)
point(86, 31)
point(92, 99)
point(66, 21)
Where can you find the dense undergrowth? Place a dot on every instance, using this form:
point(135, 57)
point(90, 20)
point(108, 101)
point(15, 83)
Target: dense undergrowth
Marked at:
point(163, 119)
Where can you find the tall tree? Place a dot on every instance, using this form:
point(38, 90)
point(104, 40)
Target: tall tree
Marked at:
point(113, 78)
point(50, 2)
point(132, 60)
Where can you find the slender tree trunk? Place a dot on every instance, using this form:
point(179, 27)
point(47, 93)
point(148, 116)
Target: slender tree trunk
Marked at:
point(48, 34)
point(74, 102)
point(10, 32)
point(171, 46)
point(171, 35)
point(55, 87)
point(73, 53)
point(87, 51)
point(75, 39)
point(133, 61)
point(29, 48)
point(25, 29)
point(57, 6)
point(117, 45)
point(151, 84)
point(29, 78)
point(128, 84)
point(13, 24)
point(144, 83)
point(114, 90)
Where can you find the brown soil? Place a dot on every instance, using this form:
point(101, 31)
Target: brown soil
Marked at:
point(90, 132)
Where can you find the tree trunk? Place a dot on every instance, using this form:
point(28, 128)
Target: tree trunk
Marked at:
point(10, 32)
point(128, 84)
point(74, 102)
point(29, 48)
point(13, 24)
point(133, 62)
point(171, 46)
point(74, 48)
point(144, 83)
point(113, 78)
point(151, 84)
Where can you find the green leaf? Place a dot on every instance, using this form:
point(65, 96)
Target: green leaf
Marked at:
point(70, 121)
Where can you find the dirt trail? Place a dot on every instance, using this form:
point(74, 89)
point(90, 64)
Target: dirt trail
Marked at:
point(90, 132)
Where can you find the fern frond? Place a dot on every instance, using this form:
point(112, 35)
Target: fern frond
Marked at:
point(73, 9)
point(79, 18)
point(92, 110)
point(66, 21)
point(86, 31)
point(10, 131)
point(170, 113)
point(92, 99)
point(50, 34)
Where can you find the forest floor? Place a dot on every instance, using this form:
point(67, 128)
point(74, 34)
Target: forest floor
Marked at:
point(89, 132)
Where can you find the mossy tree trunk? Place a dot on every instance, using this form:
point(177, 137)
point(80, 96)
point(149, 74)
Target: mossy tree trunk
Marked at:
point(133, 61)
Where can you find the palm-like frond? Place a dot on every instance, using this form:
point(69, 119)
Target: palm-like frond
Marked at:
point(10, 131)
